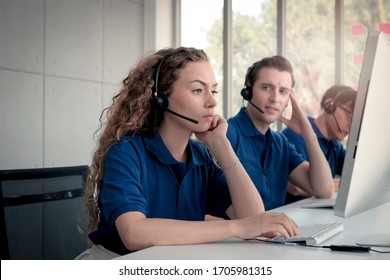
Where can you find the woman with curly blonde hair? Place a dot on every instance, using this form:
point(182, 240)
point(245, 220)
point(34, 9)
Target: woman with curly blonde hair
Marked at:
point(151, 184)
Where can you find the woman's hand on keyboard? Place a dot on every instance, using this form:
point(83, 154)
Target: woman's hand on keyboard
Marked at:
point(267, 224)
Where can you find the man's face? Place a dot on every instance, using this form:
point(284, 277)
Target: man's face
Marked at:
point(271, 92)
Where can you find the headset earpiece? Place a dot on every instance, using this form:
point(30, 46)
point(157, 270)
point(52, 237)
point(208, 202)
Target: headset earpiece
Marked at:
point(159, 97)
point(329, 107)
point(161, 100)
point(246, 93)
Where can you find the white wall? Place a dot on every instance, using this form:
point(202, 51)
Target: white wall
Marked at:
point(60, 63)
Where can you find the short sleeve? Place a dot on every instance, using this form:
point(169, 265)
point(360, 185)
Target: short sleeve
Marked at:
point(122, 189)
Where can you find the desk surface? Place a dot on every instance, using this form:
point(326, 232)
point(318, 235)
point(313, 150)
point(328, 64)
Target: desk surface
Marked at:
point(374, 221)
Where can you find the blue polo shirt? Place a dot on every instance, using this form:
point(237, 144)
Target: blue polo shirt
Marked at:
point(268, 159)
point(141, 175)
point(332, 149)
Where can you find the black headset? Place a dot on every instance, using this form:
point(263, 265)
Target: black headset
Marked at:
point(247, 93)
point(330, 107)
point(159, 97)
point(161, 100)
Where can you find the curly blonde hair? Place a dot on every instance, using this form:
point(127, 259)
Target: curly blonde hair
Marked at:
point(133, 112)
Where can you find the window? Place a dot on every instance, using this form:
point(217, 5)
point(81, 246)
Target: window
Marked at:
point(253, 37)
point(202, 28)
point(360, 17)
point(310, 40)
point(310, 46)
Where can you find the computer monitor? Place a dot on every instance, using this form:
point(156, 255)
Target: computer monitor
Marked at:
point(365, 179)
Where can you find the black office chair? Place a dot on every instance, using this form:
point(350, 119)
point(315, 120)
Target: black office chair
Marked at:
point(42, 213)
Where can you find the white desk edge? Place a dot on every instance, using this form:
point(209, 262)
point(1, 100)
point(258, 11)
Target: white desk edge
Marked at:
point(374, 221)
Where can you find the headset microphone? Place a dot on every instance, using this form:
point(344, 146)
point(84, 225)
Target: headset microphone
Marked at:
point(330, 108)
point(246, 93)
point(253, 104)
point(160, 98)
point(337, 123)
point(181, 116)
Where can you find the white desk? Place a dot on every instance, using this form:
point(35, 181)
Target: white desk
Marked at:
point(375, 221)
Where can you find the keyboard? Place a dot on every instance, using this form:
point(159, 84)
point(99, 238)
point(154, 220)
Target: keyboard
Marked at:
point(311, 234)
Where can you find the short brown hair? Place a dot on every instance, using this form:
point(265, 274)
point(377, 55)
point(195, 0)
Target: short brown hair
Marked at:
point(277, 62)
point(340, 94)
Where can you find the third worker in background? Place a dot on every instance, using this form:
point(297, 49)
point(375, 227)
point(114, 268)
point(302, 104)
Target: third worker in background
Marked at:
point(331, 126)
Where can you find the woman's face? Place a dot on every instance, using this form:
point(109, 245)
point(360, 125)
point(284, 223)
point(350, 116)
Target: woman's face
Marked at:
point(193, 95)
point(343, 120)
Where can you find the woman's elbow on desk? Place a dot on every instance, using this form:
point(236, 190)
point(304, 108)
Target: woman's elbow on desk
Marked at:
point(130, 229)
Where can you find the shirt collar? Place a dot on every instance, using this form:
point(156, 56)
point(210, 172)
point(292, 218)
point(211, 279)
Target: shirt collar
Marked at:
point(247, 127)
point(156, 146)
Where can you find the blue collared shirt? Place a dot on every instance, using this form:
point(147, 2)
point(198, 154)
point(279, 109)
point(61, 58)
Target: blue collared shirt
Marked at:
point(332, 149)
point(141, 175)
point(268, 159)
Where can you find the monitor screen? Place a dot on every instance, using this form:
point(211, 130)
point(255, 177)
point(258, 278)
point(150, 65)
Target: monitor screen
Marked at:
point(365, 179)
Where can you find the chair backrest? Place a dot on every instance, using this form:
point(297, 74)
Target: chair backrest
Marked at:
point(42, 213)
